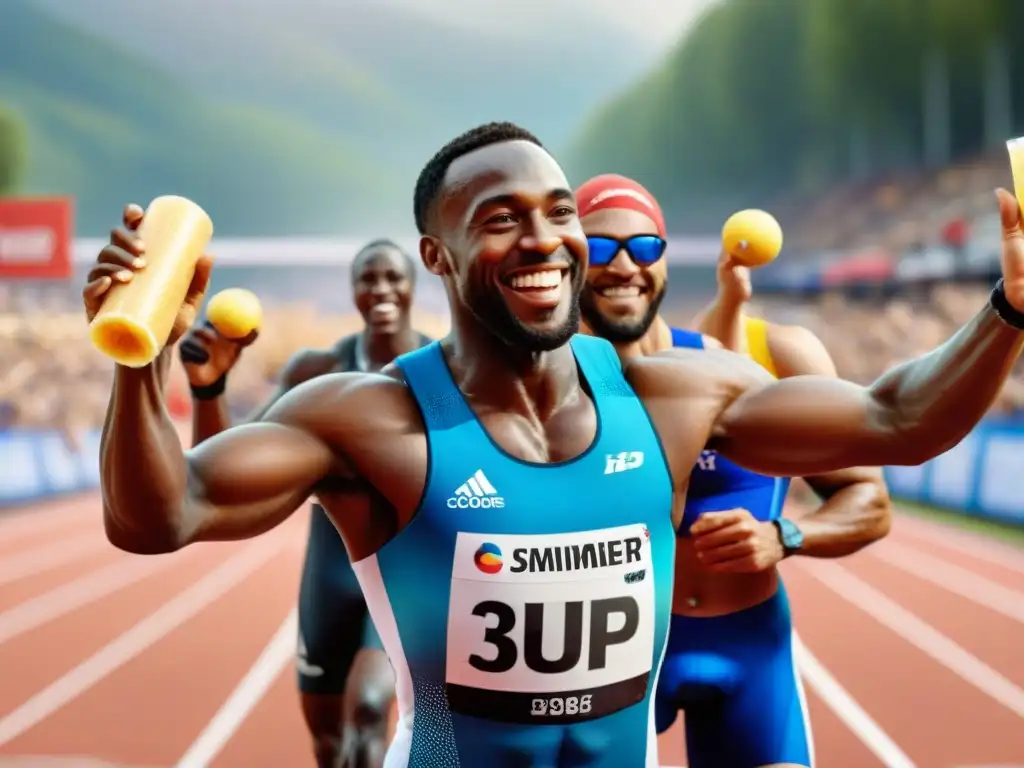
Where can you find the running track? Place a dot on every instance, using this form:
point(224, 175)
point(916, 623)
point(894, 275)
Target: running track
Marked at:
point(912, 651)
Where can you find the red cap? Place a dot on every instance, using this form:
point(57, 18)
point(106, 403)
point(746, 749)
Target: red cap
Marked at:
point(613, 191)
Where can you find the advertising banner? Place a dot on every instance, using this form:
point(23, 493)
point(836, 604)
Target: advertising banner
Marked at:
point(35, 238)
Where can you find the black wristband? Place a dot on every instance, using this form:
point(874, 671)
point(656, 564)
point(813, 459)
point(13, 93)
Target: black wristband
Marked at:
point(210, 391)
point(1003, 309)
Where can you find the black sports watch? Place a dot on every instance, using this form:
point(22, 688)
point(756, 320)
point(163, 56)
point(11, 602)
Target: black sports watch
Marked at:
point(790, 535)
point(1003, 309)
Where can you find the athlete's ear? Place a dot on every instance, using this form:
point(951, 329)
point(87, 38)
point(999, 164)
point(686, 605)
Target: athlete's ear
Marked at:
point(432, 255)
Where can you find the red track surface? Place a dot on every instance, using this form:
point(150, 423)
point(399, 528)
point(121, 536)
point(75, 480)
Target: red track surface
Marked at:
point(915, 649)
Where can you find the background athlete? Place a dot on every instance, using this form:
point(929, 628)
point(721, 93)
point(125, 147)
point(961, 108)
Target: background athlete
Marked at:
point(729, 661)
point(346, 682)
point(520, 580)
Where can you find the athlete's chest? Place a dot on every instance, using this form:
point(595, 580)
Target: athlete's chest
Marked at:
point(481, 488)
point(566, 435)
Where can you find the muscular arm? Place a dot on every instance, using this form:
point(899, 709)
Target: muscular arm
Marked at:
point(855, 512)
point(211, 417)
point(810, 425)
point(856, 509)
point(158, 497)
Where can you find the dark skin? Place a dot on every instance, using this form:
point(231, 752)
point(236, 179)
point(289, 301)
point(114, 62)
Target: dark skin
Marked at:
point(727, 563)
point(504, 209)
point(350, 729)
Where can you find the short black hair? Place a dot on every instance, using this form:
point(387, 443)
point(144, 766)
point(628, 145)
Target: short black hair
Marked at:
point(428, 185)
point(378, 244)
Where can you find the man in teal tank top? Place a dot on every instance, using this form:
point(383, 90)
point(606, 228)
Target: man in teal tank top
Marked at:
point(509, 495)
point(729, 664)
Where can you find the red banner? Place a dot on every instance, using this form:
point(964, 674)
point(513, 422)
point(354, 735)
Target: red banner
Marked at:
point(35, 238)
point(864, 267)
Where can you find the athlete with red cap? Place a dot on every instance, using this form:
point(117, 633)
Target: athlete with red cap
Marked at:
point(729, 661)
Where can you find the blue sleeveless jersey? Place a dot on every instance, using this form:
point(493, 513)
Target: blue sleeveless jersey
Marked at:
point(718, 484)
point(525, 608)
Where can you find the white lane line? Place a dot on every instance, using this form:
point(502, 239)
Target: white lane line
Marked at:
point(964, 542)
point(953, 578)
point(140, 637)
point(920, 634)
point(82, 591)
point(846, 708)
point(50, 556)
point(249, 692)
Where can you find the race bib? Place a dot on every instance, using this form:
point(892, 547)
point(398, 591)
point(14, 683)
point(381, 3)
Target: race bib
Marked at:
point(550, 629)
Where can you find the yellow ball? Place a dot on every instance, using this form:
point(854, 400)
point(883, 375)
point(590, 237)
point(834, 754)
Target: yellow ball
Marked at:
point(752, 237)
point(235, 313)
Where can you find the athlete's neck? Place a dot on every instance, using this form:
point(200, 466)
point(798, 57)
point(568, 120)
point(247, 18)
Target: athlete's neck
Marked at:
point(493, 374)
point(382, 348)
point(656, 338)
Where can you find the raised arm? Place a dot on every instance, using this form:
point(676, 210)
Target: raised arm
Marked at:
point(856, 509)
point(156, 498)
point(724, 319)
point(914, 412)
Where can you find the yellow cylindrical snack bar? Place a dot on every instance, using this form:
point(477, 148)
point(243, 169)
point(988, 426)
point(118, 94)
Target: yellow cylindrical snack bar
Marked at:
point(235, 313)
point(136, 317)
point(752, 237)
point(1016, 149)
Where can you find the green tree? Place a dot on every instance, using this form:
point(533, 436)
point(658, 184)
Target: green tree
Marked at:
point(767, 97)
point(13, 150)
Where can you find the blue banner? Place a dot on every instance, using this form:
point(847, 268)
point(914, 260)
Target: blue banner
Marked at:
point(982, 476)
point(36, 465)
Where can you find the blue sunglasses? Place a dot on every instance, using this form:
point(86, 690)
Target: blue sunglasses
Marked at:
point(644, 250)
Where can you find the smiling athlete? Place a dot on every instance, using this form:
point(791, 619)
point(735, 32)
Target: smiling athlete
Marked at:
point(345, 680)
point(729, 663)
point(530, 632)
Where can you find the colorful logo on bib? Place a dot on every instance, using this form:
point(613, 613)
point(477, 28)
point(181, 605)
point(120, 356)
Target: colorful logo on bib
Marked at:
point(488, 558)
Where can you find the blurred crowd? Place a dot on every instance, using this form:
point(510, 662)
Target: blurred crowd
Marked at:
point(51, 377)
point(904, 213)
point(867, 338)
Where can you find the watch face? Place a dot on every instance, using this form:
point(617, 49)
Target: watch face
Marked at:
point(792, 538)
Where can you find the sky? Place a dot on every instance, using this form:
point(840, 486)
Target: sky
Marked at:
point(658, 21)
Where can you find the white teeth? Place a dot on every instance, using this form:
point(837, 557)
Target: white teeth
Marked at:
point(620, 291)
point(548, 278)
point(384, 311)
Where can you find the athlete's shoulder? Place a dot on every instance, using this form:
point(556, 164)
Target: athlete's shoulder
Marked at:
point(308, 363)
point(797, 351)
point(342, 406)
point(681, 372)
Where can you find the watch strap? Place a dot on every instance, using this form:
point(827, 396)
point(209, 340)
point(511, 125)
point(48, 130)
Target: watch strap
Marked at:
point(1004, 310)
point(210, 391)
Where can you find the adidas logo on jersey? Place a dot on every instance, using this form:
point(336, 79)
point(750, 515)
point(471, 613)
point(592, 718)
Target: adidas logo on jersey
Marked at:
point(476, 493)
